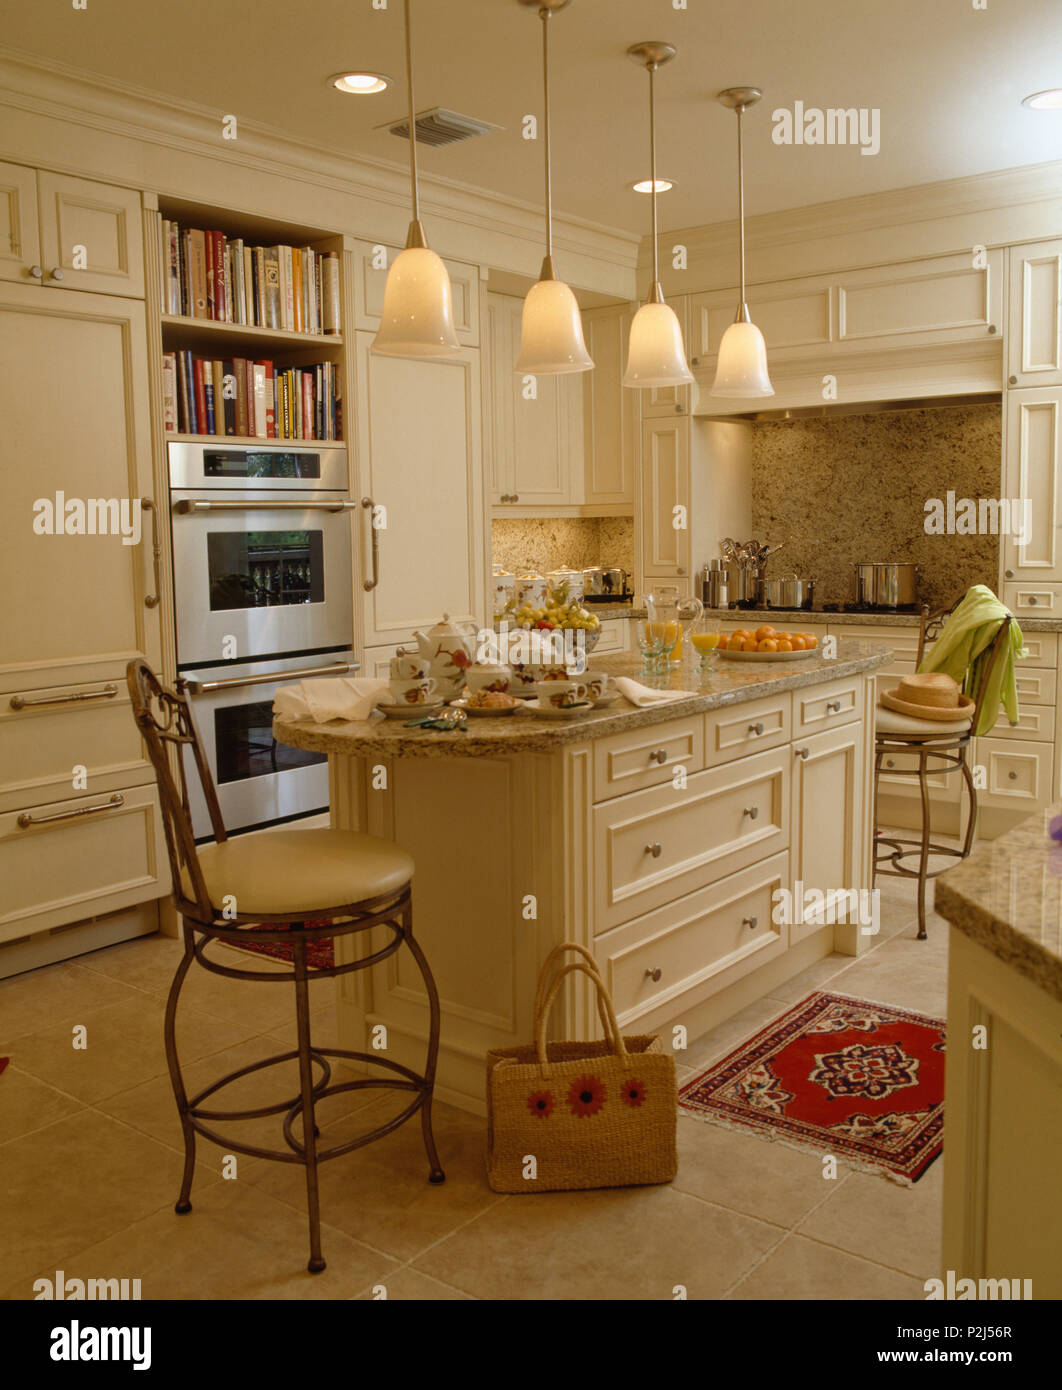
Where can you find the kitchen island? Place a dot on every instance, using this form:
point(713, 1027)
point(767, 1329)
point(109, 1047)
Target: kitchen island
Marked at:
point(656, 837)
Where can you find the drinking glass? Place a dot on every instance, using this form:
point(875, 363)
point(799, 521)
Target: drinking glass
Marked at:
point(704, 639)
point(653, 636)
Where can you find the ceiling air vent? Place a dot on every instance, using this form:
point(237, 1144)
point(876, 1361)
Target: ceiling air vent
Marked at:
point(441, 127)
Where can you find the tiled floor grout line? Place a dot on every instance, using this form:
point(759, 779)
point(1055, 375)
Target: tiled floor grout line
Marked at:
point(408, 1264)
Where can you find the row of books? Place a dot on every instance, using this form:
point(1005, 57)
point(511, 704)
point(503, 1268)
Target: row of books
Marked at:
point(207, 275)
point(250, 399)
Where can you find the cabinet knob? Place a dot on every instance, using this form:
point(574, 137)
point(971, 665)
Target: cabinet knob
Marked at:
point(514, 498)
point(653, 849)
point(695, 361)
point(755, 728)
point(833, 706)
point(1008, 574)
point(654, 974)
point(802, 753)
point(750, 922)
point(1033, 600)
point(36, 272)
point(679, 409)
point(751, 811)
point(991, 328)
point(659, 756)
point(680, 570)
point(57, 273)
point(890, 762)
point(1013, 776)
point(1012, 381)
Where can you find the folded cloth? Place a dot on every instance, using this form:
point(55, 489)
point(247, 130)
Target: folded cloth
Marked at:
point(963, 650)
point(645, 698)
point(329, 697)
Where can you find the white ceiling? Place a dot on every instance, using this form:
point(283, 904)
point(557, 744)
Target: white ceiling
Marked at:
point(947, 78)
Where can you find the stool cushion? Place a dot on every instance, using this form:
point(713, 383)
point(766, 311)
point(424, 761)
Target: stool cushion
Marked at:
point(300, 871)
point(887, 721)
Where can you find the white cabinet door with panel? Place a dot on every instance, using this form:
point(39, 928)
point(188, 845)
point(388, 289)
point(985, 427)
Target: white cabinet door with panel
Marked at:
point(1034, 323)
point(1032, 473)
point(665, 488)
point(826, 851)
point(20, 245)
point(419, 458)
point(611, 411)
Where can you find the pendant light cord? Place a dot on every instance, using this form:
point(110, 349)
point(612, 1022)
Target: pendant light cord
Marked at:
point(652, 171)
point(412, 126)
point(741, 211)
point(545, 13)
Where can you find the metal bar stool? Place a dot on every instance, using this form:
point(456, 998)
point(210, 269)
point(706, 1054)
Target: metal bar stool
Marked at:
point(948, 751)
point(293, 877)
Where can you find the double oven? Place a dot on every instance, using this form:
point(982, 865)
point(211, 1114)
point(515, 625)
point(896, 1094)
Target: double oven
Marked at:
point(263, 591)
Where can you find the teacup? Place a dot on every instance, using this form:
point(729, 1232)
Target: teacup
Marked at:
point(488, 676)
point(598, 684)
point(561, 694)
point(412, 692)
point(409, 666)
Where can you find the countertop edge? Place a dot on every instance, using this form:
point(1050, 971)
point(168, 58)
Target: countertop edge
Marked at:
point(1000, 938)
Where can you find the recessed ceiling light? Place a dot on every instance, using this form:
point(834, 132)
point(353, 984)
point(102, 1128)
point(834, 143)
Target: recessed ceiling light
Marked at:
point(1050, 100)
point(360, 84)
point(646, 185)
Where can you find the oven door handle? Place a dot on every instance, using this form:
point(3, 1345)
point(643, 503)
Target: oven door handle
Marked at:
point(195, 504)
point(341, 668)
point(369, 584)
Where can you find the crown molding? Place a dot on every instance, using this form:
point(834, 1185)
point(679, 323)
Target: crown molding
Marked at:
point(67, 94)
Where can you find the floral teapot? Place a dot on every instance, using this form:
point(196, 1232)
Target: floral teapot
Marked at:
point(451, 649)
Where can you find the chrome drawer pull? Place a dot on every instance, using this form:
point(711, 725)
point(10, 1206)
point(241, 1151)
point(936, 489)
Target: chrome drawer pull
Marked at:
point(756, 728)
point(833, 706)
point(654, 850)
point(341, 668)
point(654, 975)
point(750, 922)
point(751, 811)
point(188, 506)
point(802, 753)
point(107, 693)
point(25, 820)
point(660, 756)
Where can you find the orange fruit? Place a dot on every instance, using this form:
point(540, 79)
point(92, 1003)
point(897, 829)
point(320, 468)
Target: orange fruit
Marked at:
point(750, 645)
point(799, 645)
point(723, 640)
point(739, 634)
point(784, 645)
point(810, 640)
point(765, 631)
point(768, 644)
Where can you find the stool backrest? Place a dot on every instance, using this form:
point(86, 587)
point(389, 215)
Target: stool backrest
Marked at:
point(933, 626)
point(164, 718)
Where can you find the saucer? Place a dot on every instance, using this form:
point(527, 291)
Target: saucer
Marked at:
point(495, 713)
point(409, 711)
point(552, 712)
point(609, 699)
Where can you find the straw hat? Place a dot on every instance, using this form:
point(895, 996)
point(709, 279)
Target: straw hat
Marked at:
point(933, 695)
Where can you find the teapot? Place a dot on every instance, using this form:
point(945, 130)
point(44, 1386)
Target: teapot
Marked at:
point(451, 649)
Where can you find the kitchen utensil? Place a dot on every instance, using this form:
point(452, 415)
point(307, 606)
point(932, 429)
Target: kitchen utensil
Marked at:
point(616, 578)
point(893, 584)
point(715, 588)
point(404, 711)
point(594, 581)
point(451, 649)
point(536, 707)
point(788, 591)
point(704, 639)
point(447, 721)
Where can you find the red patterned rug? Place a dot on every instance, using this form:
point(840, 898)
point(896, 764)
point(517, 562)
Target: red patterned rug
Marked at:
point(847, 1077)
point(3, 1062)
point(320, 955)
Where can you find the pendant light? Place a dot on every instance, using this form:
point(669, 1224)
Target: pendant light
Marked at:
point(551, 338)
point(656, 356)
point(742, 366)
point(417, 318)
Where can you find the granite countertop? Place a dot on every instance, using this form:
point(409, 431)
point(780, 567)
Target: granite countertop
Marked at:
point(1008, 898)
point(728, 682)
point(794, 617)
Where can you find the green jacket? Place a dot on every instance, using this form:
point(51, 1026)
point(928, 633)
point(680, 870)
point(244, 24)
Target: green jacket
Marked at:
point(962, 651)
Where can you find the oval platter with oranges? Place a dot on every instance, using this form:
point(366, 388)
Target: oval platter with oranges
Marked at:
point(767, 644)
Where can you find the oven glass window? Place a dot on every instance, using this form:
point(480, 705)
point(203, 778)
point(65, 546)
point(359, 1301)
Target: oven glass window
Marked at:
point(245, 746)
point(246, 463)
point(264, 569)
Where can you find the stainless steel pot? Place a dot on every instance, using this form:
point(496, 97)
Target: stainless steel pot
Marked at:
point(788, 592)
point(616, 580)
point(888, 585)
point(594, 581)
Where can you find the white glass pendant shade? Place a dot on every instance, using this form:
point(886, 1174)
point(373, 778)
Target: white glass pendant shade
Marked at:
point(551, 336)
point(656, 356)
point(742, 366)
point(418, 317)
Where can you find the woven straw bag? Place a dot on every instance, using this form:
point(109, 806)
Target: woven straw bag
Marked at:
point(589, 1114)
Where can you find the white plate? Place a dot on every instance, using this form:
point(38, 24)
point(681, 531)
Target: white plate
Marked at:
point(552, 712)
point(609, 699)
point(410, 711)
point(479, 713)
point(765, 656)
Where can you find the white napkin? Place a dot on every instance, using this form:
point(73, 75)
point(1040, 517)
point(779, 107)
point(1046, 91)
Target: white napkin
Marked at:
point(329, 697)
point(642, 696)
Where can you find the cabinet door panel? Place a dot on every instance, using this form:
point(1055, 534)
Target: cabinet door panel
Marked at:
point(372, 278)
point(789, 314)
point(945, 295)
point(19, 240)
point(665, 485)
point(419, 456)
point(610, 411)
point(1034, 338)
point(827, 816)
point(74, 400)
point(105, 221)
point(1031, 472)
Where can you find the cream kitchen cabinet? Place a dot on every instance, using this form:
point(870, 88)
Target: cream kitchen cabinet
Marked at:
point(535, 430)
point(1034, 320)
point(611, 411)
point(662, 401)
point(1032, 471)
point(827, 851)
point(419, 458)
point(59, 232)
point(666, 498)
point(371, 263)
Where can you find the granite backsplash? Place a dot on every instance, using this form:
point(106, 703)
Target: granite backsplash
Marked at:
point(850, 489)
point(548, 543)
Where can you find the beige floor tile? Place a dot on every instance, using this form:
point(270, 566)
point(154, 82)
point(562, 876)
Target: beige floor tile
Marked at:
point(235, 1243)
point(803, 1269)
point(124, 1046)
point(27, 1103)
point(814, 977)
point(147, 963)
point(626, 1243)
point(256, 1005)
point(884, 1221)
point(409, 1284)
point(888, 979)
point(72, 1184)
point(711, 1046)
point(380, 1194)
point(747, 1173)
point(53, 995)
point(323, 1026)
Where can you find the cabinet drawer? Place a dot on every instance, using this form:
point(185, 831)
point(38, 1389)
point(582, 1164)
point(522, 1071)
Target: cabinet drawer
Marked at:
point(1033, 599)
point(748, 728)
point(822, 706)
point(702, 942)
point(1018, 775)
point(615, 637)
point(81, 865)
point(902, 640)
point(654, 846)
point(945, 787)
point(1035, 684)
point(1041, 649)
point(647, 757)
point(90, 726)
point(1034, 721)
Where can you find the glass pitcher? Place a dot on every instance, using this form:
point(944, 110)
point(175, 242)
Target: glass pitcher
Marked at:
point(675, 611)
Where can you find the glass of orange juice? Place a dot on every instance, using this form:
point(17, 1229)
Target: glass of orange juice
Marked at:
point(704, 639)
